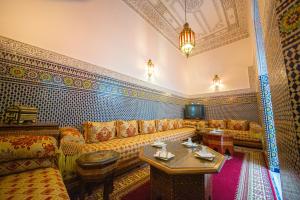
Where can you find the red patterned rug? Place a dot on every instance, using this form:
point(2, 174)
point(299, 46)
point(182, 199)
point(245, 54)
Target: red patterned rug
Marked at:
point(244, 176)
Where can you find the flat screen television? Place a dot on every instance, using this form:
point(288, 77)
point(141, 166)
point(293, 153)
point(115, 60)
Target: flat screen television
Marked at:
point(194, 111)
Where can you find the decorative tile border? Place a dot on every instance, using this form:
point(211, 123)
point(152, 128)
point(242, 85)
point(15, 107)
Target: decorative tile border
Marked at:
point(40, 56)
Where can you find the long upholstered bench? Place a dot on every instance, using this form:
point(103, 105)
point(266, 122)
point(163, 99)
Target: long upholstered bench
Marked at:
point(129, 138)
point(245, 133)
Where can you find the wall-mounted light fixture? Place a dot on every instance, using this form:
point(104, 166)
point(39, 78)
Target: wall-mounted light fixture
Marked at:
point(150, 68)
point(216, 81)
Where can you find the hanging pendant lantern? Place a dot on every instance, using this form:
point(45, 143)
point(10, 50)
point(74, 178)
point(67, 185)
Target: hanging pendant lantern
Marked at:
point(186, 38)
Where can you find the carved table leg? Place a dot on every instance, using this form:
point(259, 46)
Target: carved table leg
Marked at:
point(108, 186)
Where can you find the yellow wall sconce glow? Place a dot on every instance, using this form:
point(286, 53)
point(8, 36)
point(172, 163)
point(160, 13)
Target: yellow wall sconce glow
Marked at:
point(150, 68)
point(216, 81)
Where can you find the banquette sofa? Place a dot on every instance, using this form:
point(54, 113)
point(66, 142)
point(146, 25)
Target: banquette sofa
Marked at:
point(245, 133)
point(28, 168)
point(125, 137)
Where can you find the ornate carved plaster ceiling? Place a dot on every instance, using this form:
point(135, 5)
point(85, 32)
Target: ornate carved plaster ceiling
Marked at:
point(215, 22)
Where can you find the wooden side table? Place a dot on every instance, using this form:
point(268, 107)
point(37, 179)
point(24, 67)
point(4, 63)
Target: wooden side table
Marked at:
point(41, 128)
point(221, 142)
point(96, 167)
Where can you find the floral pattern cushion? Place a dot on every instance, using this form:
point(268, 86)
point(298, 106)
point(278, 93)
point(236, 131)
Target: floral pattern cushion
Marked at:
point(127, 128)
point(27, 146)
point(38, 184)
point(178, 123)
point(242, 125)
point(147, 126)
point(70, 134)
point(217, 124)
point(172, 124)
point(189, 123)
point(99, 131)
point(162, 125)
point(17, 166)
point(201, 125)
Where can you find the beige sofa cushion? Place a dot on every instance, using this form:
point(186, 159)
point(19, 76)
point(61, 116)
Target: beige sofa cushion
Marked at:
point(147, 126)
point(242, 125)
point(217, 124)
point(127, 128)
point(99, 131)
point(162, 125)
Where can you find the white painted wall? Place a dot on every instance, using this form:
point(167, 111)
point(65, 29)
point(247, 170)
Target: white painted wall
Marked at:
point(106, 33)
point(110, 34)
point(230, 62)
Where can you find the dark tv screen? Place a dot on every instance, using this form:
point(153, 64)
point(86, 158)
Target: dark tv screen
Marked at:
point(194, 111)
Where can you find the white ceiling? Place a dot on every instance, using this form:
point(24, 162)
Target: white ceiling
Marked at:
point(215, 22)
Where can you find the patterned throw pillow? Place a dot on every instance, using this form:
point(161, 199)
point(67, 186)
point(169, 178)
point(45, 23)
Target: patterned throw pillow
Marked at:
point(127, 128)
point(172, 123)
point(189, 123)
point(162, 125)
point(217, 124)
point(242, 125)
point(27, 146)
point(147, 126)
point(99, 131)
point(201, 125)
point(17, 166)
point(255, 128)
point(178, 123)
point(70, 134)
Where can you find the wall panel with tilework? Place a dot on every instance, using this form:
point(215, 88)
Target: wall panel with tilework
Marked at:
point(235, 106)
point(281, 23)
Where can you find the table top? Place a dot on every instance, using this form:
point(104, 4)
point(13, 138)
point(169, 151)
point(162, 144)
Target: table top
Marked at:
point(184, 161)
point(98, 158)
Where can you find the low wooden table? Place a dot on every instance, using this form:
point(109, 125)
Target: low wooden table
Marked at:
point(221, 142)
point(182, 177)
point(95, 167)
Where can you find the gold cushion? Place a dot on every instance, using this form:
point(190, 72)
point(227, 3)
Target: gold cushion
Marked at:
point(172, 124)
point(242, 125)
point(178, 123)
point(162, 125)
point(17, 166)
point(147, 126)
point(217, 124)
point(35, 184)
point(71, 134)
point(127, 128)
point(99, 131)
point(27, 146)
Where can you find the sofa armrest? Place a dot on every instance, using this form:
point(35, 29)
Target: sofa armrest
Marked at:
point(256, 129)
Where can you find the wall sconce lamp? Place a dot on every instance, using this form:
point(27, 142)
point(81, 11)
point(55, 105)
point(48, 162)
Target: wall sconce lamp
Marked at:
point(150, 68)
point(216, 81)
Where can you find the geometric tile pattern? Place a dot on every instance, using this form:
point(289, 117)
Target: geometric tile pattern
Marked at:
point(237, 106)
point(281, 25)
point(270, 131)
point(69, 95)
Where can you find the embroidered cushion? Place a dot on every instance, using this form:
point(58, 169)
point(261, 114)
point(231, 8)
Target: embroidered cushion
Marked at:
point(189, 123)
point(242, 125)
point(162, 125)
point(178, 123)
point(147, 126)
point(127, 128)
point(201, 125)
point(172, 123)
point(17, 166)
point(27, 146)
point(99, 131)
point(217, 124)
point(70, 134)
